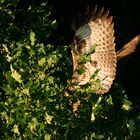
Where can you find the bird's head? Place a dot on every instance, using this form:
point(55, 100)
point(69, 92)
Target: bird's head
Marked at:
point(78, 45)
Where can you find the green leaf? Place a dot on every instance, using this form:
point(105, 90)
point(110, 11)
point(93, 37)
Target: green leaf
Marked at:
point(95, 74)
point(126, 104)
point(33, 124)
point(42, 61)
point(47, 137)
point(32, 38)
point(92, 49)
point(9, 78)
point(131, 126)
point(15, 75)
point(16, 129)
point(81, 70)
point(48, 118)
point(83, 58)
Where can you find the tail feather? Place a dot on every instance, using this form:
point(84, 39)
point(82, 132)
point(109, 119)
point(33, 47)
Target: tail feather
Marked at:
point(128, 48)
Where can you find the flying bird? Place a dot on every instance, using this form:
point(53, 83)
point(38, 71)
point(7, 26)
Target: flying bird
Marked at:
point(93, 50)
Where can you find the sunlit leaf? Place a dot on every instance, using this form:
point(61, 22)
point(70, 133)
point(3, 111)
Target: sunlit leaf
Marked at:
point(42, 61)
point(16, 129)
point(32, 37)
point(47, 137)
point(48, 118)
point(25, 91)
point(126, 104)
point(15, 75)
point(33, 124)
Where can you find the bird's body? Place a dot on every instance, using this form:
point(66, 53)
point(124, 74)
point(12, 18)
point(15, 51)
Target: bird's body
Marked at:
point(96, 34)
point(93, 52)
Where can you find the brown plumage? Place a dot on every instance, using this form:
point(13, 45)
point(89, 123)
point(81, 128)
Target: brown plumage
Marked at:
point(95, 39)
point(98, 32)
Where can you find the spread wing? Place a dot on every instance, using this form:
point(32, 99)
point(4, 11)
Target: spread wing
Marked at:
point(93, 49)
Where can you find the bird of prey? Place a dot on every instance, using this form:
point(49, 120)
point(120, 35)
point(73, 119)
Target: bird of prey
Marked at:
point(93, 50)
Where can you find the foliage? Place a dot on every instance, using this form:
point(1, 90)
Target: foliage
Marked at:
point(35, 76)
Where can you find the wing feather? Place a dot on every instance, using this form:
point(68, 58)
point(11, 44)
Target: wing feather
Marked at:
point(98, 30)
point(91, 14)
point(105, 14)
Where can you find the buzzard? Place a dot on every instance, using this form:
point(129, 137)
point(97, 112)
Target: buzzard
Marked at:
point(93, 50)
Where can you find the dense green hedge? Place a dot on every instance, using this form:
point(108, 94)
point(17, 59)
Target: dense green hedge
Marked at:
point(34, 76)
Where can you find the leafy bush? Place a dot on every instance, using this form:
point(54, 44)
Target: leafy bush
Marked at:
point(34, 78)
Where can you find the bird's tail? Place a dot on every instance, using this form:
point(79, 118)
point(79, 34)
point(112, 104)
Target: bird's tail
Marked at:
point(128, 48)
